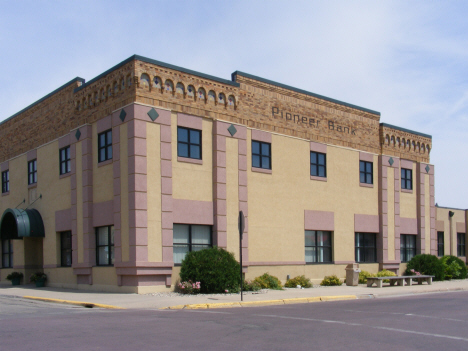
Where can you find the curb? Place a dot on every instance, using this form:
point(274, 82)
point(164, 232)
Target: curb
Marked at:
point(260, 303)
point(78, 303)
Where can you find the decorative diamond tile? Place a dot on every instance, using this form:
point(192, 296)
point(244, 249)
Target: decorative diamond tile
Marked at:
point(153, 114)
point(232, 130)
point(427, 168)
point(123, 114)
point(391, 161)
point(78, 134)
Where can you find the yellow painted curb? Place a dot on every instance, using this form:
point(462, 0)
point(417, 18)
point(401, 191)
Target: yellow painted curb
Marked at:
point(196, 306)
point(314, 299)
point(342, 297)
point(78, 303)
point(262, 303)
point(224, 305)
point(296, 300)
point(176, 307)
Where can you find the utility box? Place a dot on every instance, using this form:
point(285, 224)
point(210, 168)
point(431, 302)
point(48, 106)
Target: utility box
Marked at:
point(352, 274)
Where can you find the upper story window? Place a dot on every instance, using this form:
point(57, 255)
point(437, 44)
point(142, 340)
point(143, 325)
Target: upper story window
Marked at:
point(6, 181)
point(407, 179)
point(105, 146)
point(318, 164)
point(188, 237)
point(261, 154)
point(32, 172)
point(366, 172)
point(105, 246)
point(440, 244)
point(65, 162)
point(189, 143)
point(461, 245)
point(365, 247)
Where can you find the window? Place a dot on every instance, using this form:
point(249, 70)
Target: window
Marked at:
point(32, 172)
point(407, 247)
point(365, 248)
point(5, 182)
point(105, 246)
point(105, 146)
point(188, 238)
point(407, 179)
point(189, 143)
point(440, 244)
point(366, 172)
point(261, 155)
point(65, 163)
point(65, 249)
point(7, 254)
point(318, 164)
point(318, 246)
point(461, 245)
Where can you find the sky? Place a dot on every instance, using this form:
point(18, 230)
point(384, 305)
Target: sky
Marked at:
point(406, 59)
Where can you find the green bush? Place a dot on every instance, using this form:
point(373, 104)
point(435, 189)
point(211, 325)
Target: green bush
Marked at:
point(426, 265)
point(215, 269)
point(331, 280)
point(251, 285)
point(454, 267)
point(299, 280)
point(267, 281)
point(363, 275)
point(386, 273)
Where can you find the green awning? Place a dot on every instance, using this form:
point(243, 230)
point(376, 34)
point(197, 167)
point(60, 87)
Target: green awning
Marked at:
point(17, 224)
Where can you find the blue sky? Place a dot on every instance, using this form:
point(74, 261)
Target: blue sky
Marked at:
point(405, 59)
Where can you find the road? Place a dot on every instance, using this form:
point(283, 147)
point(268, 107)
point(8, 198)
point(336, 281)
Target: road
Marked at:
point(428, 321)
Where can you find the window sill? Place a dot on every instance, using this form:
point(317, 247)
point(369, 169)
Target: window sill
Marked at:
point(322, 179)
point(6, 193)
point(331, 262)
point(407, 191)
point(190, 160)
point(105, 163)
point(366, 185)
point(31, 186)
point(65, 175)
point(262, 170)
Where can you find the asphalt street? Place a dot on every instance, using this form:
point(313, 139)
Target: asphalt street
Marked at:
point(430, 322)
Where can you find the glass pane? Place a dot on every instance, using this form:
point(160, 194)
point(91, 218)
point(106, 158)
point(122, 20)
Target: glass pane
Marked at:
point(310, 254)
point(323, 238)
point(181, 233)
point(103, 237)
point(326, 254)
point(35, 177)
point(362, 177)
point(361, 166)
point(195, 137)
point(195, 151)
point(109, 152)
point(200, 247)
point(102, 140)
point(255, 162)
point(369, 167)
point(103, 255)
point(309, 238)
point(112, 255)
point(370, 255)
point(369, 178)
point(358, 255)
point(266, 162)
point(179, 252)
point(313, 157)
point(68, 153)
point(313, 170)
point(182, 150)
point(403, 173)
point(255, 148)
point(102, 155)
point(321, 159)
point(321, 171)
point(63, 168)
point(68, 166)
point(109, 138)
point(266, 149)
point(112, 235)
point(182, 135)
point(201, 234)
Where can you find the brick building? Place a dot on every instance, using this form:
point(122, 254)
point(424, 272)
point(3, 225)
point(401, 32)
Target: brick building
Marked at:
point(107, 184)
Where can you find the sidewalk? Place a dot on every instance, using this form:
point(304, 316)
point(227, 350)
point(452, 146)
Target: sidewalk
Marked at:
point(174, 301)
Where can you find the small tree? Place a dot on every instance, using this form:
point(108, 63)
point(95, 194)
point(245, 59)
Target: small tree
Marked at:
point(454, 267)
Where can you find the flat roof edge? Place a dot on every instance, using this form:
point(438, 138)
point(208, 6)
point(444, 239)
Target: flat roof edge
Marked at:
point(77, 79)
point(305, 92)
point(451, 208)
point(406, 130)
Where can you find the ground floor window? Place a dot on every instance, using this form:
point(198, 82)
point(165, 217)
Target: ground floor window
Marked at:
point(7, 253)
point(440, 244)
point(65, 249)
point(318, 246)
point(365, 247)
point(461, 245)
point(105, 246)
point(188, 237)
point(407, 247)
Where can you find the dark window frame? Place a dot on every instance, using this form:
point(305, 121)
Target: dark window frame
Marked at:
point(8, 252)
point(6, 181)
point(105, 146)
point(318, 165)
point(461, 242)
point(407, 179)
point(65, 160)
point(261, 155)
point(190, 244)
point(189, 143)
point(317, 247)
point(109, 245)
point(440, 244)
point(362, 251)
point(406, 251)
point(364, 172)
point(32, 172)
point(66, 249)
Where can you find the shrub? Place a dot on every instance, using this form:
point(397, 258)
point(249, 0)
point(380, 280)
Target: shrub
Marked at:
point(299, 280)
point(251, 285)
point(454, 267)
point(331, 280)
point(427, 265)
point(386, 273)
point(14, 275)
point(215, 269)
point(188, 287)
point(363, 275)
point(38, 276)
point(267, 281)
